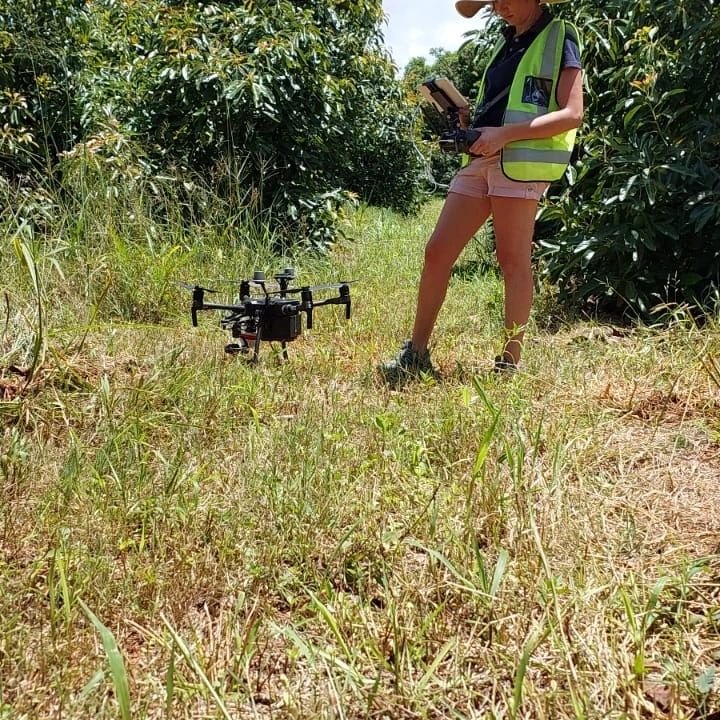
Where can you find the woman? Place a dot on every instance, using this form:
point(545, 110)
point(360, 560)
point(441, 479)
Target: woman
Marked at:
point(529, 107)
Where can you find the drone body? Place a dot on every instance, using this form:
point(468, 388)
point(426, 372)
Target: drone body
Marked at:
point(270, 316)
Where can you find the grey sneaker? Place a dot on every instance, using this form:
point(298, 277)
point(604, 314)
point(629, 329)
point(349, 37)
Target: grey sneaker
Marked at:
point(410, 363)
point(505, 363)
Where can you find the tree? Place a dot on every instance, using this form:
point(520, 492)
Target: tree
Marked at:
point(38, 119)
point(638, 224)
point(301, 95)
point(299, 98)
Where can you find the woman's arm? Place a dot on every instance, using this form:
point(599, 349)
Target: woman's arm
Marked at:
point(568, 116)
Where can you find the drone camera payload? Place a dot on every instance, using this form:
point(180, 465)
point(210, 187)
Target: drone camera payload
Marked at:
point(269, 315)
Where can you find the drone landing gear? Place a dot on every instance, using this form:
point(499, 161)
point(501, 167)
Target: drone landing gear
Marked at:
point(243, 348)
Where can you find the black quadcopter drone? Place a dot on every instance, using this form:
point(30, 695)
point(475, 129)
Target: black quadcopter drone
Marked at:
point(267, 315)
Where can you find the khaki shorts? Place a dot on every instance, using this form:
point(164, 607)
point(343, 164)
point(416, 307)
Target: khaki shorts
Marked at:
point(483, 177)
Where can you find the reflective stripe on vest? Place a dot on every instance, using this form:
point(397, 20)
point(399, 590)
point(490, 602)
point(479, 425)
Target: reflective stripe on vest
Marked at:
point(535, 155)
point(548, 62)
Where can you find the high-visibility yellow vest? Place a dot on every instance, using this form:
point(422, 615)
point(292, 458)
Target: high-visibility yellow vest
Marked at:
point(532, 94)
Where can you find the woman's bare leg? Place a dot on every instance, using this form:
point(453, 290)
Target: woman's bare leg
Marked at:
point(514, 224)
point(460, 219)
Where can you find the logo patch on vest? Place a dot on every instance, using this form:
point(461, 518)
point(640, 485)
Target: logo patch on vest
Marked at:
point(536, 91)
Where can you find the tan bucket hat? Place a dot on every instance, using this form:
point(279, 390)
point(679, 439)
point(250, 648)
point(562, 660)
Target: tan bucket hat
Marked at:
point(469, 8)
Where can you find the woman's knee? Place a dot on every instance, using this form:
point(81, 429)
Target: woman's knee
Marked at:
point(513, 261)
point(439, 253)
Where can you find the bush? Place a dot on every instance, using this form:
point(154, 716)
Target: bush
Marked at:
point(38, 60)
point(300, 94)
point(638, 223)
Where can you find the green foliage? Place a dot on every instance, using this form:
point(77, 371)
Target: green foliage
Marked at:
point(299, 97)
point(379, 162)
point(302, 95)
point(639, 226)
point(37, 62)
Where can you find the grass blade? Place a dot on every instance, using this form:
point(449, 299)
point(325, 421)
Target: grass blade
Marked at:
point(24, 252)
point(330, 621)
point(500, 567)
point(193, 663)
point(531, 645)
point(435, 664)
point(115, 661)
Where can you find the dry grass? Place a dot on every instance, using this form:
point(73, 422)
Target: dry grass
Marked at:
point(299, 541)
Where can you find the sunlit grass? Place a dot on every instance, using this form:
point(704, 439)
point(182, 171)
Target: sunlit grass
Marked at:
point(298, 540)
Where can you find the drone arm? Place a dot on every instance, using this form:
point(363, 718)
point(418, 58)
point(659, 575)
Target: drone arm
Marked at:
point(200, 304)
point(342, 299)
point(220, 306)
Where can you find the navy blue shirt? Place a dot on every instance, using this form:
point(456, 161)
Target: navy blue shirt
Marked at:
point(501, 72)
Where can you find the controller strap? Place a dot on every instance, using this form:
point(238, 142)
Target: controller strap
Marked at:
point(490, 103)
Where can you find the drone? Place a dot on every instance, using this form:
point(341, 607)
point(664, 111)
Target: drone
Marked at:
point(261, 314)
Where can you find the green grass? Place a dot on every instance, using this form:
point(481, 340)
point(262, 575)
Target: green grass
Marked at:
point(186, 536)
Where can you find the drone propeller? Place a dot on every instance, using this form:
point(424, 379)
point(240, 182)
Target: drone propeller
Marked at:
point(258, 278)
point(268, 286)
point(252, 281)
point(332, 286)
point(194, 288)
point(314, 288)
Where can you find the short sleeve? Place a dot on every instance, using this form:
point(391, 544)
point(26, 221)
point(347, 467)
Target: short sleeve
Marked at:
point(571, 51)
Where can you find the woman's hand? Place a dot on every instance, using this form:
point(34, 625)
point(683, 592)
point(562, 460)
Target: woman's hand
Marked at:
point(491, 141)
